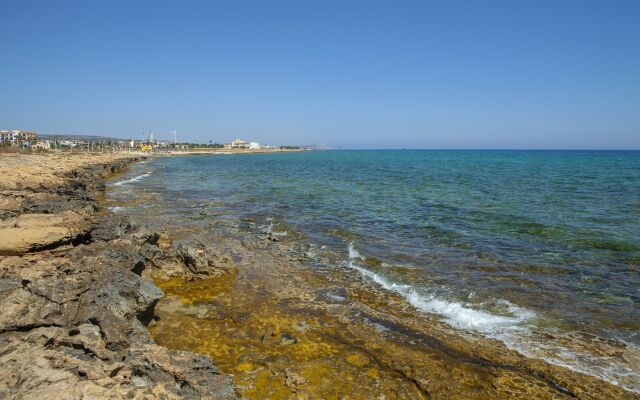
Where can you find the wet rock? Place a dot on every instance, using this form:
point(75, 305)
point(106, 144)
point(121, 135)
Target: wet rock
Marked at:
point(357, 359)
point(270, 335)
point(286, 338)
point(204, 261)
point(293, 379)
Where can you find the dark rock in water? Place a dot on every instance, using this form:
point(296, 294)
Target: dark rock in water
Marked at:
point(372, 262)
point(286, 338)
point(205, 261)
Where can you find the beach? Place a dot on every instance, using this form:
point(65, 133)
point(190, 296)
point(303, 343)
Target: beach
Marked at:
point(133, 294)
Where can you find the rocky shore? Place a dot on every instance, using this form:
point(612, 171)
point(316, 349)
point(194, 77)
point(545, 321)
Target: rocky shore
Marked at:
point(83, 318)
point(75, 303)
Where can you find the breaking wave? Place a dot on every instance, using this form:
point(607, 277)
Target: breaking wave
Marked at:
point(455, 314)
point(132, 180)
point(512, 331)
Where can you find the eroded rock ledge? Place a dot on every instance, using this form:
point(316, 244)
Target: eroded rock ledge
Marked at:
point(75, 305)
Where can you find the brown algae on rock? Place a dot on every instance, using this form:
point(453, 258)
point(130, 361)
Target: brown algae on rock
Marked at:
point(285, 330)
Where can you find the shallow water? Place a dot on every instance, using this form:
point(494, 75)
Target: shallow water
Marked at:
point(537, 249)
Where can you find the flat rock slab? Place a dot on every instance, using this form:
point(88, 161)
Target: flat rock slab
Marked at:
point(18, 241)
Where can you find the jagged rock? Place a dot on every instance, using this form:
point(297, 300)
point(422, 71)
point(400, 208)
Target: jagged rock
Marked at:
point(146, 236)
point(164, 241)
point(108, 226)
point(205, 261)
point(74, 304)
point(152, 253)
point(54, 363)
point(96, 286)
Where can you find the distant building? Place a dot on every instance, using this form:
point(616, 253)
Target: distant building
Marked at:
point(68, 143)
point(237, 144)
point(42, 145)
point(15, 137)
point(254, 145)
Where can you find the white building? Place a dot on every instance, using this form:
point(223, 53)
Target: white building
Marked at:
point(69, 143)
point(15, 137)
point(254, 145)
point(237, 144)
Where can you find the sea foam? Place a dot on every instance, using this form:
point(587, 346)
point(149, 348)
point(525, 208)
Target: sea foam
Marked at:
point(132, 180)
point(511, 330)
point(455, 314)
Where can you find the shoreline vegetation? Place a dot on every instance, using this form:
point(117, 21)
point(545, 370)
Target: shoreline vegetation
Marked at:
point(93, 306)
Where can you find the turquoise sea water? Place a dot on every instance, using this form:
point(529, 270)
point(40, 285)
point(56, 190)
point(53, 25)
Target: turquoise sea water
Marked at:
point(505, 243)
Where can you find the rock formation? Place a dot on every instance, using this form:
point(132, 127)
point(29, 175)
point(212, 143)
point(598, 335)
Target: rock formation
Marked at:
point(75, 305)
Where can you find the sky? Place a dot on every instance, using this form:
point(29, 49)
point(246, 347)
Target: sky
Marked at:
point(354, 74)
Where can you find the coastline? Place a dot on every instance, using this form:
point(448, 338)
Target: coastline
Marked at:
point(75, 307)
point(50, 322)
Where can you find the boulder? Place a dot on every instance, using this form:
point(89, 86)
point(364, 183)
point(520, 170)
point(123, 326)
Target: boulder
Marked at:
point(204, 261)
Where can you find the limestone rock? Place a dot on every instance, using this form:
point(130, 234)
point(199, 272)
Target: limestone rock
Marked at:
point(74, 305)
point(16, 241)
point(205, 261)
point(53, 363)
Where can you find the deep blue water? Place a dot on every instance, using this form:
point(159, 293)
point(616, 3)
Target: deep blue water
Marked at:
point(549, 239)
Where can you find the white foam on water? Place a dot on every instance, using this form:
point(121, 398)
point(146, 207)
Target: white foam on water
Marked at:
point(336, 297)
point(455, 314)
point(512, 330)
point(620, 371)
point(132, 180)
point(269, 230)
point(116, 209)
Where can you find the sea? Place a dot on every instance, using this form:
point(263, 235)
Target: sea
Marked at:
point(537, 249)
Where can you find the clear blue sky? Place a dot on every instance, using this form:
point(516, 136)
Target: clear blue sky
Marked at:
point(362, 74)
